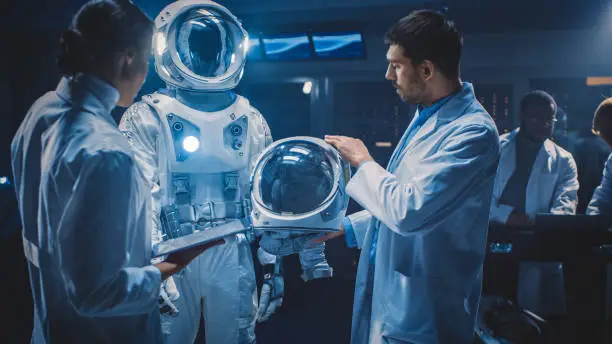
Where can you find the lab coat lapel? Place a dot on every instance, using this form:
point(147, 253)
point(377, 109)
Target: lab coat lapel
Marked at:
point(507, 163)
point(454, 108)
point(427, 128)
point(542, 164)
point(398, 151)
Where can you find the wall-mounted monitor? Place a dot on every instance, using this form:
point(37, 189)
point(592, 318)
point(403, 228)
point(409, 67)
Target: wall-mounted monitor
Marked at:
point(287, 47)
point(255, 49)
point(338, 45)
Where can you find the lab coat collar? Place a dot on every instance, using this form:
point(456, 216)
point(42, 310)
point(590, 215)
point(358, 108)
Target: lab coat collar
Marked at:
point(89, 93)
point(455, 107)
point(548, 146)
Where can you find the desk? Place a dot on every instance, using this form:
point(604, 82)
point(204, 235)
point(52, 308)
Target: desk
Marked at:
point(579, 242)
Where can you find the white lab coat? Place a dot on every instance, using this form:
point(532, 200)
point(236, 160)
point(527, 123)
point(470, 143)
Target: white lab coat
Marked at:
point(601, 202)
point(425, 284)
point(89, 251)
point(552, 188)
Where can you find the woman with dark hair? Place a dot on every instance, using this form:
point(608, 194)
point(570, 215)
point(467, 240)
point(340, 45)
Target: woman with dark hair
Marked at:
point(601, 202)
point(84, 204)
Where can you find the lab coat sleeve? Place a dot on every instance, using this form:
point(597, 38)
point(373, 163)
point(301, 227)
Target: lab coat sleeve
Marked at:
point(95, 238)
point(601, 202)
point(349, 233)
point(141, 127)
point(500, 212)
point(565, 198)
point(429, 191)
point(359, 224)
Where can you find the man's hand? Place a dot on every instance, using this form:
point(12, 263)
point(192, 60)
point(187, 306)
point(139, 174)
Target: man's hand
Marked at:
point(327, 237)
point(352, 150)
point(518, 219)
point(178, 260)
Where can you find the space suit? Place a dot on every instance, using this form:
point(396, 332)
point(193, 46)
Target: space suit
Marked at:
point(197, 144)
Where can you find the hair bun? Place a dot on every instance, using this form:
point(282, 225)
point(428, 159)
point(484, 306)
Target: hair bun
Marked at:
point(73, 54)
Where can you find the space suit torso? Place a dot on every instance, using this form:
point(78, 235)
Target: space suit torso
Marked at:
point(204, 162)
point(199, 164)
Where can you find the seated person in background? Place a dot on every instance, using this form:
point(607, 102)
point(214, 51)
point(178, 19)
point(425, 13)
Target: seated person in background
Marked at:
point(591, 152)
point(535, 175)
point(601, 203)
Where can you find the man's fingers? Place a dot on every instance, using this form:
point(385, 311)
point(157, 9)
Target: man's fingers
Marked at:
point(338, 143)
point(333, 137)
point(324, 238)
point(332, 141)
point(320, 239)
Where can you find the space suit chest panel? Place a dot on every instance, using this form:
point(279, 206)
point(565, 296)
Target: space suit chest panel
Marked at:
point(205, 142)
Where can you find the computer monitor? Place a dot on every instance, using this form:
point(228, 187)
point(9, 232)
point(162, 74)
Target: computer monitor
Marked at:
point(255, 49)
point(338, 45)
point(287, 47)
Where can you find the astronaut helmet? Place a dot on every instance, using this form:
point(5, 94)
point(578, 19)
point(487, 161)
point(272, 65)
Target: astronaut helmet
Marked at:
point(298, 185)
point(199, 45)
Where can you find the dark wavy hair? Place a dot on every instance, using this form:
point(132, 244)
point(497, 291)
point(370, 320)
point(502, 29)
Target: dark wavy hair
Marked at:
point(100, 29)
point(429, 35)
point(602, 121)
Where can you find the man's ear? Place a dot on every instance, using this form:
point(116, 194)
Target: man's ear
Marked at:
point(127, 61)
point(427, 69)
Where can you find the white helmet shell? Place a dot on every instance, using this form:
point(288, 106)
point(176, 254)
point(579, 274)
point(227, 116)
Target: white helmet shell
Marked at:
point(199, 45)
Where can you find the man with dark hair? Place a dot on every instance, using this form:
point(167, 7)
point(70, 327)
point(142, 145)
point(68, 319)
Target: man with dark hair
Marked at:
point(424, 227)
point(412, 34)
point(535, 175)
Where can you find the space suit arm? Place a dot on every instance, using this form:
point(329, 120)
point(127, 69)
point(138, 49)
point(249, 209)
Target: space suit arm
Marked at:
point(141, 126)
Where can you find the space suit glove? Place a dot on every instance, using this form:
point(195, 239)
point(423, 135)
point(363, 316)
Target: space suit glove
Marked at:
point(285, 244)
point(314, 263)
point(168, 293)
point(273, 288)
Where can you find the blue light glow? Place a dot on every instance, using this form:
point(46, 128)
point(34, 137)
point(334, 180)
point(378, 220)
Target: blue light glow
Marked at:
point(191, 144)
point(292, 47)
point(338, 45)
